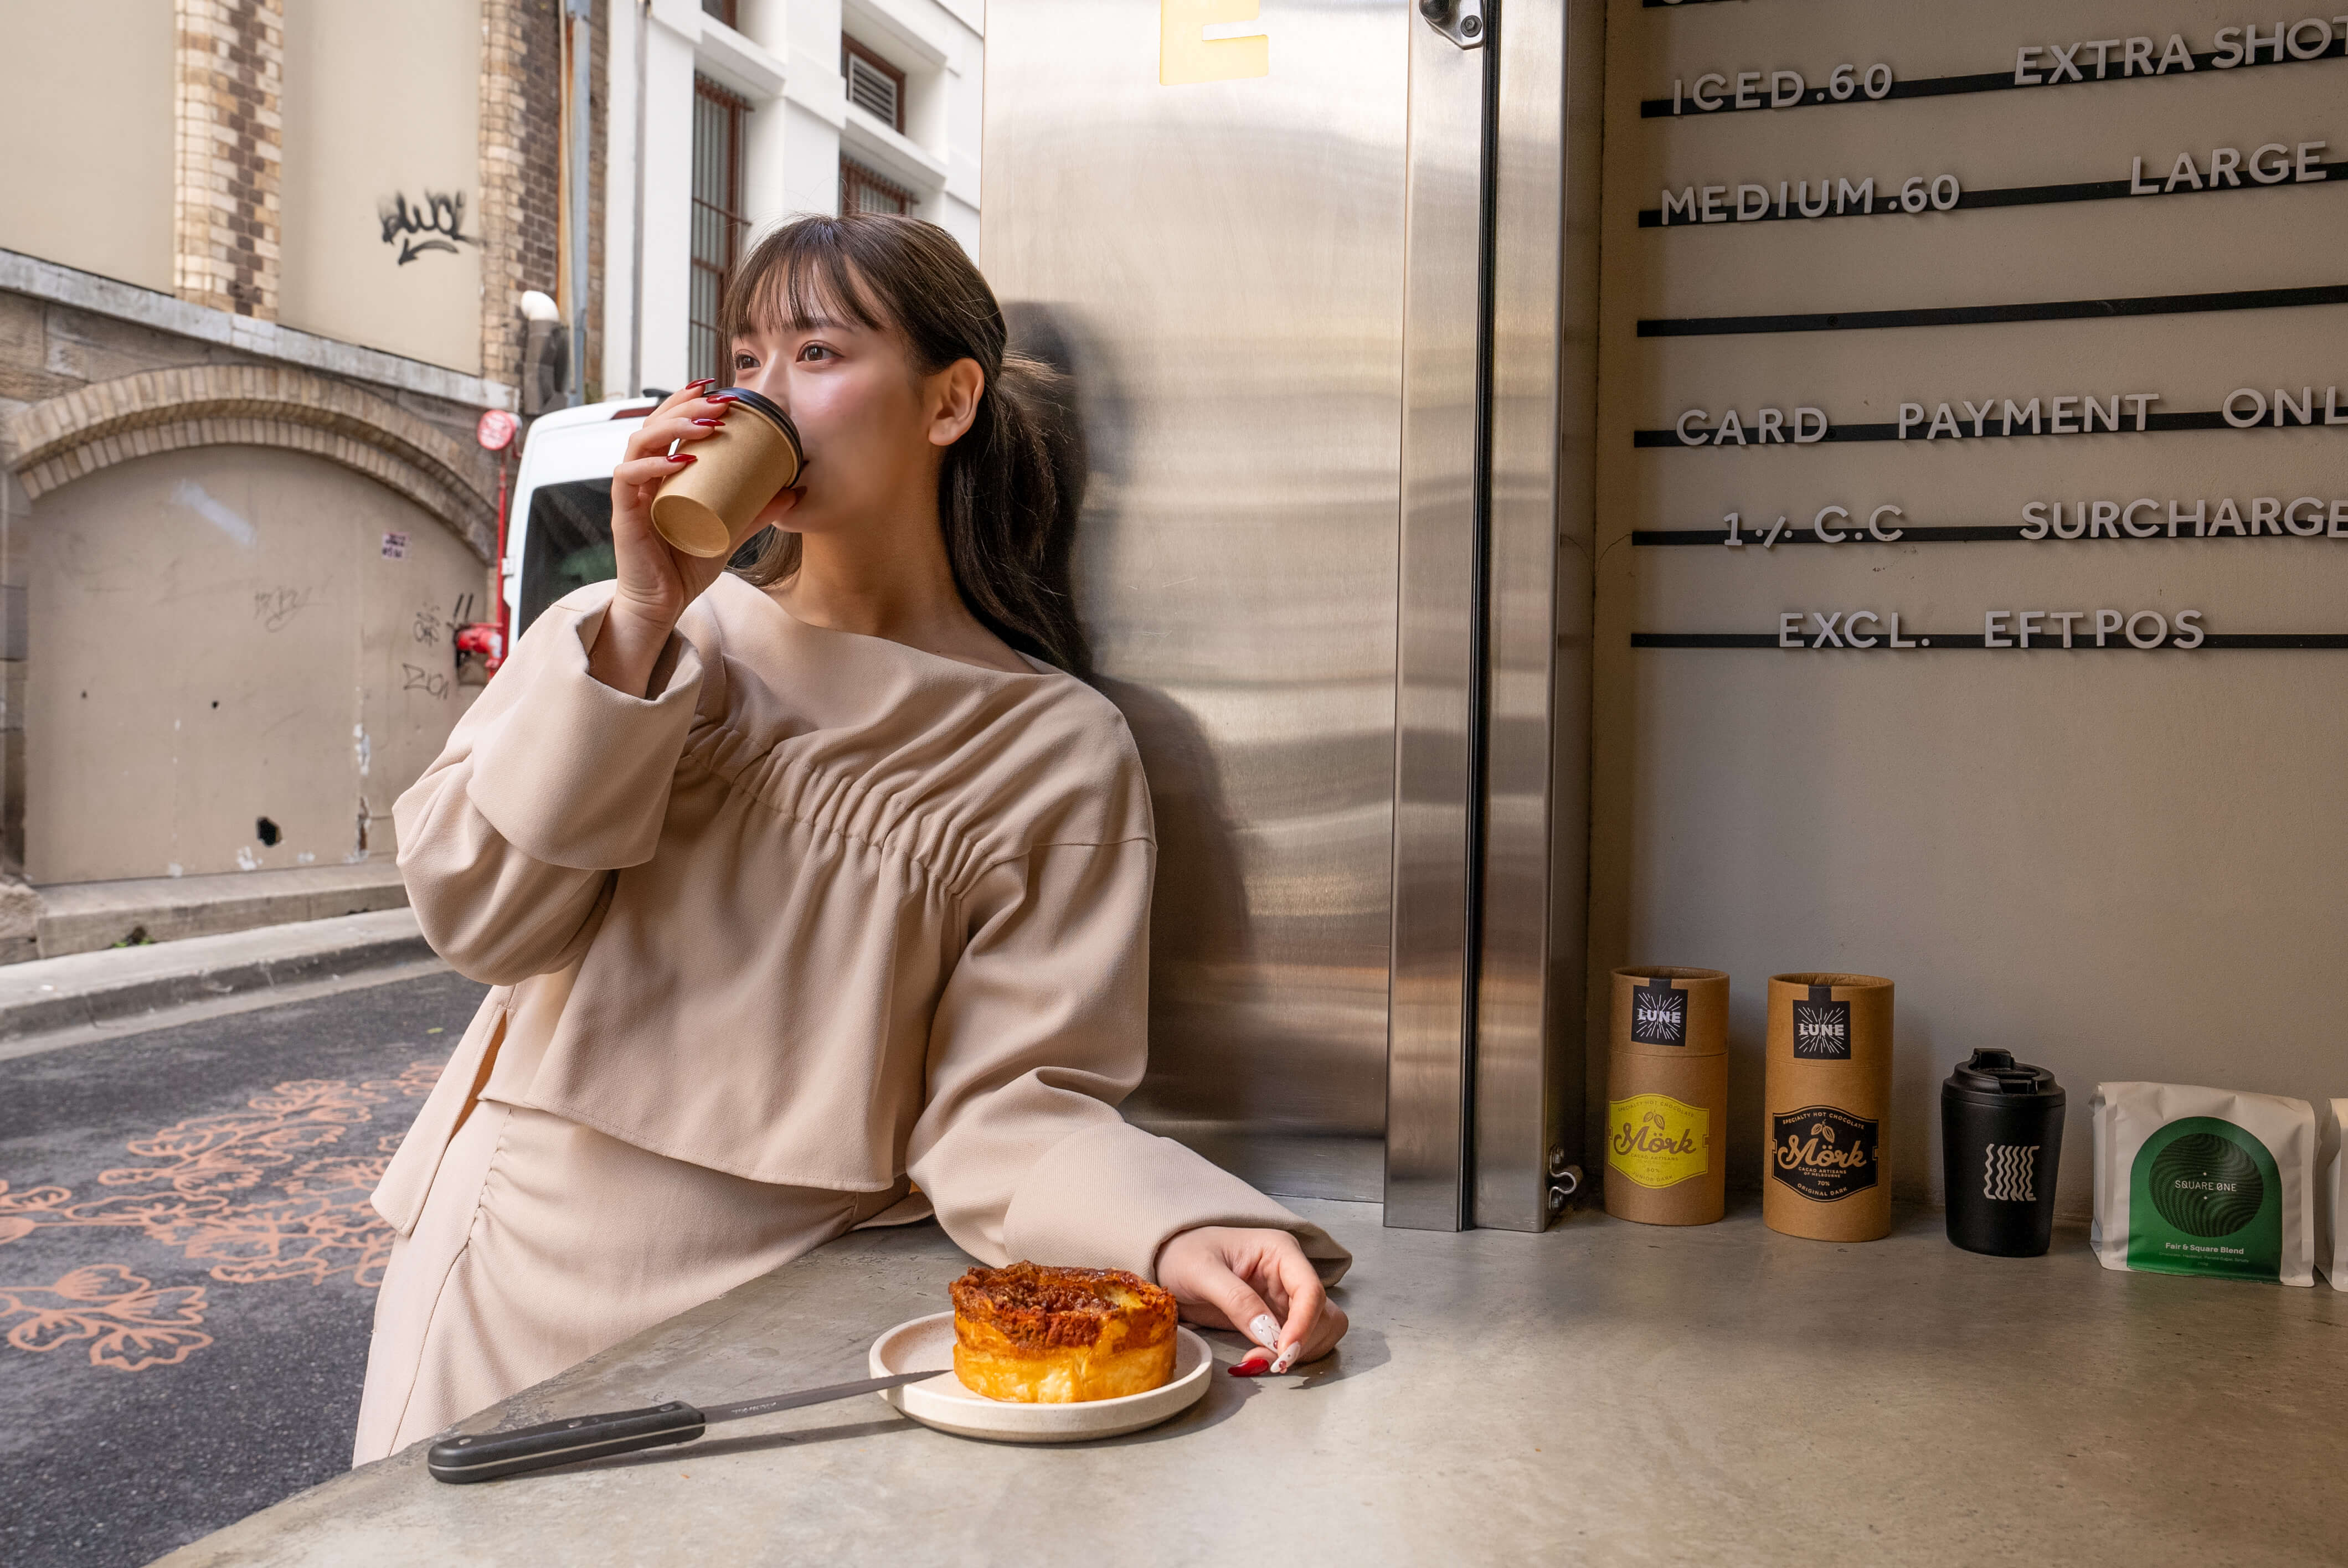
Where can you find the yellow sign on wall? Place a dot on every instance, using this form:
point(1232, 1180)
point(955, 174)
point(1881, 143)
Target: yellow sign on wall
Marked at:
point(1185, 53)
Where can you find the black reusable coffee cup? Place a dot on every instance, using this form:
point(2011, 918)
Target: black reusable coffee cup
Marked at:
point(2000, 1137)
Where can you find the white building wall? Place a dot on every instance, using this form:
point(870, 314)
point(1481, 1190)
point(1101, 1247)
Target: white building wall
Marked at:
point(623, 350)
point(810, 180)
point(784, 61)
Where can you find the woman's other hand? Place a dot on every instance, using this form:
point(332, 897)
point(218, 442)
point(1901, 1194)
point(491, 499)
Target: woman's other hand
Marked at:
point(1259, 1283)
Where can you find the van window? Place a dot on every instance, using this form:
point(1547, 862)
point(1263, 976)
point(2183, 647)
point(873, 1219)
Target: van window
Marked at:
point(568, 544)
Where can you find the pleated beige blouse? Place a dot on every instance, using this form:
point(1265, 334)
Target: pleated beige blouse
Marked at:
point(826, 912)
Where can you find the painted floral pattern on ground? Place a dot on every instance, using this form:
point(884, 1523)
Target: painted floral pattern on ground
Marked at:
point(276, 1191)
point(129, 1324)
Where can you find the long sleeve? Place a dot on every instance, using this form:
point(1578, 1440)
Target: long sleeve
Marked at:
point(1040, 1033)
point(552, 780)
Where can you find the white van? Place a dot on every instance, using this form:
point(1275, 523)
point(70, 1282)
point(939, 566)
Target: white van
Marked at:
point(559, 533)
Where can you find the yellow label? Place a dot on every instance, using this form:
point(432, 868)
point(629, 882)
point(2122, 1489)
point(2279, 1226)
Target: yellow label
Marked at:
point(1185, 53)
point(1657, 1142)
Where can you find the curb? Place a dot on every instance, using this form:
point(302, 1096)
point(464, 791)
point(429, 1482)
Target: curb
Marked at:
point(81, 989)
point(91, 916)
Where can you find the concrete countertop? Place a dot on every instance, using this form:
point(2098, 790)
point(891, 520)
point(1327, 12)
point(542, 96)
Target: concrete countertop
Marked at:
point(1607, 1393)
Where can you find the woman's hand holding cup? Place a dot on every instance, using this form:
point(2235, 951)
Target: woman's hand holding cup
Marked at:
point(656, 581)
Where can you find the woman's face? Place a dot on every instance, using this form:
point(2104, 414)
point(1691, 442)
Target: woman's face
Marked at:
point(874, 428)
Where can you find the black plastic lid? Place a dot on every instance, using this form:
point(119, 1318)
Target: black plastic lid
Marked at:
point(760, 403)
point(1994, 1074)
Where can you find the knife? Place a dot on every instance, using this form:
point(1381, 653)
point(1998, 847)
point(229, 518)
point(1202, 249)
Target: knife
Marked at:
point(490, 1455)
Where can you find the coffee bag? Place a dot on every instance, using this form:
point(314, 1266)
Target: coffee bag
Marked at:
point(2331, 1202)
point(2204, 1181)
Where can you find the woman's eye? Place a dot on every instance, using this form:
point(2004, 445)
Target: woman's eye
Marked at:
point(815, 353)
point(746, 362)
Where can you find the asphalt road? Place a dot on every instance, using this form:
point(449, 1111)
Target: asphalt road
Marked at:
point(188, 1263)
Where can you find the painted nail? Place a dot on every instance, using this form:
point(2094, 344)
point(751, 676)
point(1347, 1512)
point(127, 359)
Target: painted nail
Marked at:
point(682, 457)
point(1253, 1364)
point(1265, 1329)
point(711, 424)
point(705, 381)
point(1287, 1358)
point(722, 398)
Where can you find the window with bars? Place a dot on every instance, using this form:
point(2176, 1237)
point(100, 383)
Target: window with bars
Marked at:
point(874, 85)
point(862, 190)
point(717, 222)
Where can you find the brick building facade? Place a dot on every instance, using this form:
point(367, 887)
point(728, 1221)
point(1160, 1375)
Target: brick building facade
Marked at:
point(242, 503)
point(244, 352)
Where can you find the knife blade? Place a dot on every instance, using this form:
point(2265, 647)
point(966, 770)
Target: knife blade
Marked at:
point(487, 1456)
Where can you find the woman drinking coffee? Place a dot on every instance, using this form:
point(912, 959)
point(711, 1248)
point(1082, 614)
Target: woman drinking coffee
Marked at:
point(812, 893)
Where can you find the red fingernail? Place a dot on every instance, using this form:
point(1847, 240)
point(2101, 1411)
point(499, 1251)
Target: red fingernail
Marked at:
point(684, 458)
point(1251, 1365)
point(712, 424)
point(705, 381)
point(721, 397)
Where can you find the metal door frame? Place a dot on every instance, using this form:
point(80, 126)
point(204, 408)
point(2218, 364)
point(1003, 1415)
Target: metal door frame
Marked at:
point(1485, 1038)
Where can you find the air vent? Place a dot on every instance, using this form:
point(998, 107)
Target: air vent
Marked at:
point(874, 87)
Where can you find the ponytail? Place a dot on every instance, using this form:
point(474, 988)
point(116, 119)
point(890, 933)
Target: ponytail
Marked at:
point(1008, 491)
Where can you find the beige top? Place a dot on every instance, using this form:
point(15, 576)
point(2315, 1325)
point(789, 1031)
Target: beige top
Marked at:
point(826, 911)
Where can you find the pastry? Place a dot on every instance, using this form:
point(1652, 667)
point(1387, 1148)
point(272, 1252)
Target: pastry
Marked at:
point(1061, 1335)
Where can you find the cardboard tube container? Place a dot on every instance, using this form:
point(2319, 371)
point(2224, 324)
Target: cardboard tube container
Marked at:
point(1826, 1107)
point(1667, 1096)
point(708, 506)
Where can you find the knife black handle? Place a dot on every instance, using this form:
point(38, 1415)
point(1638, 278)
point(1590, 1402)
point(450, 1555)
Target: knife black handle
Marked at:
point(490, 1455)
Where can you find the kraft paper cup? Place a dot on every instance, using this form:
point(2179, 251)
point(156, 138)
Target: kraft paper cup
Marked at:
point(1827, 1102)
point(709, 508)
point(1667, 1096)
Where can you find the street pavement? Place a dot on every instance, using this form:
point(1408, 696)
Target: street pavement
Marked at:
point(188, 1264)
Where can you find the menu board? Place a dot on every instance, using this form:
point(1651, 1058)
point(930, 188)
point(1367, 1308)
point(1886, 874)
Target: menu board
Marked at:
point(1935, 338)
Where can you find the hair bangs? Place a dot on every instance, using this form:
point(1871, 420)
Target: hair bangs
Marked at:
point(798, 278)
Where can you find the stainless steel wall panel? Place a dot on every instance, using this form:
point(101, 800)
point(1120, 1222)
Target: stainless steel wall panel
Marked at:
point(1527, 1077)
point(1438, 681)
point(1220, 266)
point(1576, 601)
point(1511, 1110)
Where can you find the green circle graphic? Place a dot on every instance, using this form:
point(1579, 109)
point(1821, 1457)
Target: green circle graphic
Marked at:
point(2206, 1185)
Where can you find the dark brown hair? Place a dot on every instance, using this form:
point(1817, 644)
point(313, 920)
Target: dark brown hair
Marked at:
point(1006, 493)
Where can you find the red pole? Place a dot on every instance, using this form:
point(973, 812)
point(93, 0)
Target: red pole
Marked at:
point(488, 639)
point(504, 621)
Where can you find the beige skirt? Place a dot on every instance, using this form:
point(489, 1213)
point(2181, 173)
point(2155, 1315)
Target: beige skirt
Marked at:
point(542, 1242)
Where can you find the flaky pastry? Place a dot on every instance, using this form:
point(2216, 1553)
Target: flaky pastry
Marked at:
point(1061, 1335)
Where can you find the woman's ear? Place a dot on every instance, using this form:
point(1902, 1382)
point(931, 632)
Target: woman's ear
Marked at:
point(954, 393)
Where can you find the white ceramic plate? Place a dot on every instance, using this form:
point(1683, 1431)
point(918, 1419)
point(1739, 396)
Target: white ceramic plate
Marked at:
point(942, 1402)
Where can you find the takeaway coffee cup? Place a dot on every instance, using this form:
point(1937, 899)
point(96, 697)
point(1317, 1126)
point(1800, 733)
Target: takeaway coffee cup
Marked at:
point(2001, 1135)
point(707, 507)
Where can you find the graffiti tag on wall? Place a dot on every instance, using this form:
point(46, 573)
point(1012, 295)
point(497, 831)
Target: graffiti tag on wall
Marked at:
point(437, 223)
point(415, 678)
point(273, 607)
point(430, 626)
